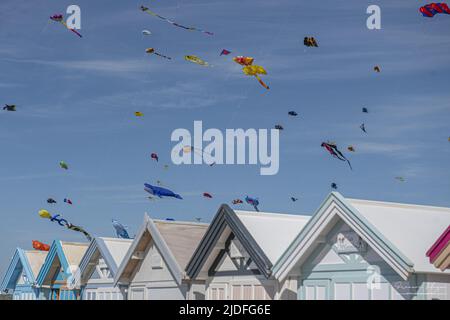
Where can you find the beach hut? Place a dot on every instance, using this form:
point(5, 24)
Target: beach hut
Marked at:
point(99, 266)
point(236, 255)
point(59, 277)
point(153, 267)
point(367, 250)
point(20, 278)
point(439, 253)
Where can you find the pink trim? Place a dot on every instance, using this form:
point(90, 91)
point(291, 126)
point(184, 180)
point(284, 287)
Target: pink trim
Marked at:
point(440, 243)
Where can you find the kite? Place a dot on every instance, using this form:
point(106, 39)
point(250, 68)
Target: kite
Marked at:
point(138, 114)
point(196, 60)
point(225, 52)
point(63, 165)
point(250, 69)
point(279, 127)
point(363, 128)
point(59, 18)
point(364, 110)
point(63, 223)
point(253, 202)
point(198, 219)
point(334, 151)
point(146, 32)
point(293, 113)
point(51, 201)
point(351, 148)
point(294, 199)
point(170, 219)
point(401, 179)
point(433, 8)
point(152, 51)
point(376, 69)
point(448, 139)
point(121, 230)
point(160, 192)
point(310, 42)
point(147, 10)
point(40, 246)
point(207, 195)
point(237, 201)
point(9, 107)
point(68, 201)
point(334, 186)
point(154, 156)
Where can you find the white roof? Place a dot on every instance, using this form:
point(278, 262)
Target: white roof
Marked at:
point(36, 259)
point(273, 232)
point(117, 248)
point(411, 228)
point(74, 251)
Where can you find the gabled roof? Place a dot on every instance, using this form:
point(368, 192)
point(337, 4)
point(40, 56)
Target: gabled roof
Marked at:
point(29, 262)
point(175, 240)
point(439, 253)
point(61, 253)
point(112, 250)
point(399, 233)
point(264, 236)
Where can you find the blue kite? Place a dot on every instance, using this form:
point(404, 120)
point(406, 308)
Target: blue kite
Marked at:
point(160, 192)
point(253, 202)
point(121, 230)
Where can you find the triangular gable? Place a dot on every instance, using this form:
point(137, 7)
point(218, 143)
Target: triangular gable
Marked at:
point(18, 265)
point(213, 242)
point(336, 207)
point(148, 232)
point(55, 260)
point(98, 249)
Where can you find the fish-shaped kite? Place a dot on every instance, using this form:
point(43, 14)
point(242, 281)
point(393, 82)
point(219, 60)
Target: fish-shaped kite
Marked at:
point(334, 151)
point(253, 202)
point(207, 195)
point(40, 246)
point(9, 107)
point(121, 230)
point(160, 192)
point(196, 60)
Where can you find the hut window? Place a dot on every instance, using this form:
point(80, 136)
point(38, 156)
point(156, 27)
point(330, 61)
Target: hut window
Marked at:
point(156, 261)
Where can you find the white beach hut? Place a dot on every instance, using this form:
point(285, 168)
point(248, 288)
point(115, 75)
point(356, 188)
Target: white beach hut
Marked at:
point(99, 266)
point(236, 255)
point(359, 249)
point(153, 267)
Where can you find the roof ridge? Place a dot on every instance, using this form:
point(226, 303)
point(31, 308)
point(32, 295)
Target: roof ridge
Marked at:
point(191, 223)
point(259, 213)
point(399, 204)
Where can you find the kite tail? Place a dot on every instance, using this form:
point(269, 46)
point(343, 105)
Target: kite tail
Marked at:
point(262, 82)
point(350, 165)
point(256, 208)
point(162, 56)
point(73, 30)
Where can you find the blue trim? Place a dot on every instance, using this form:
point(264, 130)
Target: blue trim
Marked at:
point(19, 263)
point(56, 250)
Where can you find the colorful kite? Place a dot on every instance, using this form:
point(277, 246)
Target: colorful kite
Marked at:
point(51, 201)
point(40, 246)
point(250, 69)
point(68, 201)
point(138, 114)
point(121, 230)
point(334, 151)
point(310, 42)
point(59, 18)
point(63, 223)
point(154, 156)
point(292, 113)
point(147, 10)
point(9, 107)
point(196, 60)
point(237, 201)
point(433, 8)
point(225, 52)
point(253, 202)
point(152, 51)
point(160, 192)
point(63, 165)
point(207, 195)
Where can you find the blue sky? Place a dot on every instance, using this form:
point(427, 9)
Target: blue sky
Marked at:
point(76, 100)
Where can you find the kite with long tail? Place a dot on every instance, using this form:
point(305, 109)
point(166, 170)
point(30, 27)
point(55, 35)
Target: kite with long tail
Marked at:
point(253, 202)
point(63, 223)
point(59, 18)
point(147, 10)
point(334, 151)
